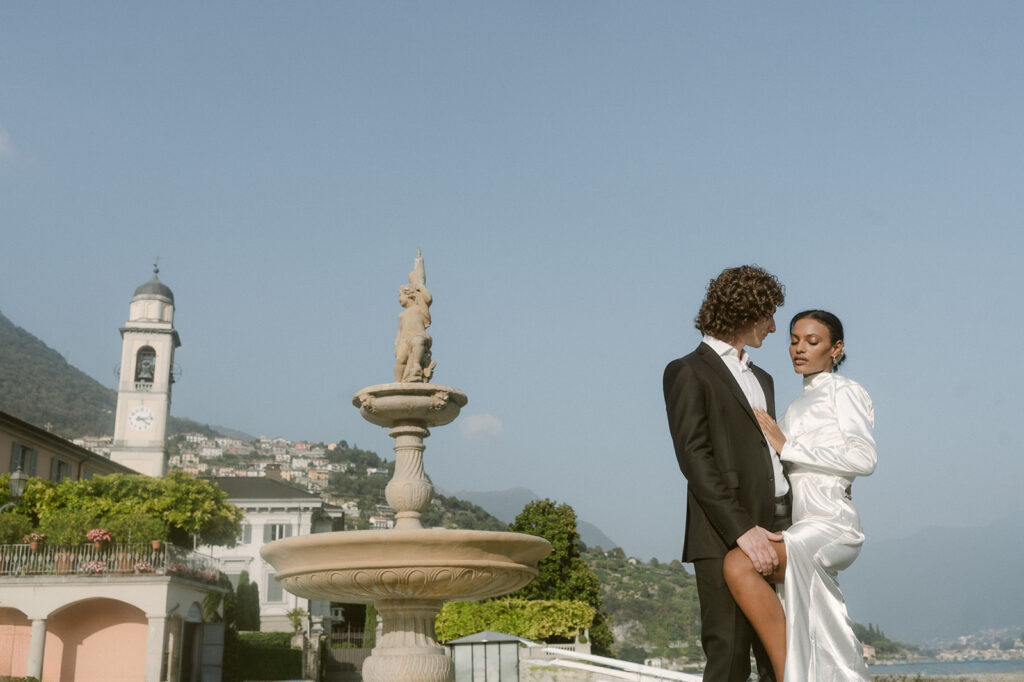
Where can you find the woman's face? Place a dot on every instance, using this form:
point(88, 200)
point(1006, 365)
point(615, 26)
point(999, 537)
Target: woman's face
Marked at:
point(810, 347)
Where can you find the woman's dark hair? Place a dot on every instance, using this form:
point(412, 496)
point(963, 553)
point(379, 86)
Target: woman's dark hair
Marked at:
point(736, 298)
point(831, 322)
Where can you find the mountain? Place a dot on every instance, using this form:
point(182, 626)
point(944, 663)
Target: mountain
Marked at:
point(506, 505)
point(930, 588)
point(39, 386)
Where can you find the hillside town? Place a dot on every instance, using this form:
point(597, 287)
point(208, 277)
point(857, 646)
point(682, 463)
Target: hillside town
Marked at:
point(302, 463)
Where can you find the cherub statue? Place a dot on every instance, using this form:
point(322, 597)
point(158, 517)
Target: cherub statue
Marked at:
point(412, 343)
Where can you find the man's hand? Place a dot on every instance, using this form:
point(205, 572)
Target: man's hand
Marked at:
point(756, 543)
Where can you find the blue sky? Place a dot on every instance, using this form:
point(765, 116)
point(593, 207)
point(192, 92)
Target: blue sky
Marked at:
point(575, 173)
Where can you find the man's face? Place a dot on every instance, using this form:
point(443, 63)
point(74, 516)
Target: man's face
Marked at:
point(755, 334)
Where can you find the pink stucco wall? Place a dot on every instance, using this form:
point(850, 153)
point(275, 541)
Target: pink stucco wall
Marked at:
point(96, 639)
point(15, 634)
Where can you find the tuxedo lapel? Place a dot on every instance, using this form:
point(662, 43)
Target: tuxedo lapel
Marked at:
point(717, 364)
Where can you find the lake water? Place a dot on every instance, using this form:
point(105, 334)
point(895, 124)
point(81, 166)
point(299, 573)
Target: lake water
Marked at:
point(952, 668)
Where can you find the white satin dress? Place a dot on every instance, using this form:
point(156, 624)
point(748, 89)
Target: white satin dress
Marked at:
point(829, 442)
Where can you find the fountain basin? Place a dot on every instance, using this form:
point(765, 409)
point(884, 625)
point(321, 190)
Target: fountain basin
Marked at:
point(409, 403)
point(366, 566)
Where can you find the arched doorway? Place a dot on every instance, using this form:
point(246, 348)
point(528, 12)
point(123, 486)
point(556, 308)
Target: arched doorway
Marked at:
point(15, 635)
point(96, 639)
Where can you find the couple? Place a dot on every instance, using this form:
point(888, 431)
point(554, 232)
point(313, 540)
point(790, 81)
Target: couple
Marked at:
point(769, 518)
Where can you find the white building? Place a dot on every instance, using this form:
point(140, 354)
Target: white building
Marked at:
point(273, 510)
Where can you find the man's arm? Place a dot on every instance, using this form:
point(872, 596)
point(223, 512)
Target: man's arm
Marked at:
point(686, 403)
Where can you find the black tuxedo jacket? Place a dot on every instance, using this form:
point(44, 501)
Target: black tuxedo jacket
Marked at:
point(721, 451)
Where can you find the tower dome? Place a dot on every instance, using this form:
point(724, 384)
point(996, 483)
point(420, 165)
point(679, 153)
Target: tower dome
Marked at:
point(154, 288)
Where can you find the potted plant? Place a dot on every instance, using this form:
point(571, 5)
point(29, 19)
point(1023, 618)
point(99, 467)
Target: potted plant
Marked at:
point(34, 539)
point(152, 529)
point(94, 567)
point(98, 537)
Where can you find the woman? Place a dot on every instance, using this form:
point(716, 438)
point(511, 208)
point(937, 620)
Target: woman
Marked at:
point(825, 441)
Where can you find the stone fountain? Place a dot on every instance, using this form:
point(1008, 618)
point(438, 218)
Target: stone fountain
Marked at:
point(407, 572)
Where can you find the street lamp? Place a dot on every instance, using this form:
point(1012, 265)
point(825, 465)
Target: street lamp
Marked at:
point(18, 481)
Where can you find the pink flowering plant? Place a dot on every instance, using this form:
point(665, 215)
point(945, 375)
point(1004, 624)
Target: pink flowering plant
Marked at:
point(143, 567)
point(34, 537)
point(94, 567)
point(98, 535)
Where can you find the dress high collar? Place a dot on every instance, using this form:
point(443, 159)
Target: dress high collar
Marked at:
point(817, 380)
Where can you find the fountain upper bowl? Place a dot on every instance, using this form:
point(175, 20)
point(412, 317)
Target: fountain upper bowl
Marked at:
point(409, 403)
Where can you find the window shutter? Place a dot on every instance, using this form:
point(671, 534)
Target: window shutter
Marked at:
point(268, 531)
point(246, 534)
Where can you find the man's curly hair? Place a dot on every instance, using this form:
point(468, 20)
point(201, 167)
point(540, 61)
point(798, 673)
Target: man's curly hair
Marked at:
point(736, 298)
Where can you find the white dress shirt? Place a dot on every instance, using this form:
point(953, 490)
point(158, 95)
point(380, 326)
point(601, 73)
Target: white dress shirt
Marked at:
point(739, 365)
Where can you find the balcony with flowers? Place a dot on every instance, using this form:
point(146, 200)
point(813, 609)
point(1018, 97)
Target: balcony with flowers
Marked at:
point(110, 560)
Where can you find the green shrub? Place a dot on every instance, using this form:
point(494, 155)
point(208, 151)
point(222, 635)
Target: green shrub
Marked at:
point(135, 528)
point(268, 656)
point(66, 526)
point(535, 619)
point(13, 527)
point(267, 640)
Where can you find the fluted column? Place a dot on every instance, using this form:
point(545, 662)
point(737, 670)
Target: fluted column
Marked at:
point(408, 648)
point(36, 649)
point(409, 490)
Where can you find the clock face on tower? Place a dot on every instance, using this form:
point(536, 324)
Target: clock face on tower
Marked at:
point(140, 419)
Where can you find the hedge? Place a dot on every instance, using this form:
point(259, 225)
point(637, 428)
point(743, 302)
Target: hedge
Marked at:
point(268, 656)
point(535, 619)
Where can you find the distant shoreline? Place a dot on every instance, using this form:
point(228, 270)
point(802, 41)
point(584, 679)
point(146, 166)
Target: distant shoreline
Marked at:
point(968, 677)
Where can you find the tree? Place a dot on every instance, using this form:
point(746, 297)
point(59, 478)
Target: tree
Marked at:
point(297, 617)
point(563, 575)
point(247, 604)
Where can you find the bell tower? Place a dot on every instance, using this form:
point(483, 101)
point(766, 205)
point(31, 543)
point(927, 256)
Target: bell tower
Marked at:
point(144, 387)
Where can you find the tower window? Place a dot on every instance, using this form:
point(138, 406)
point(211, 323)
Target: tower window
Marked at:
point(145, 365)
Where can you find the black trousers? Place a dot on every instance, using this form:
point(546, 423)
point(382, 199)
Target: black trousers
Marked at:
point(725, 633)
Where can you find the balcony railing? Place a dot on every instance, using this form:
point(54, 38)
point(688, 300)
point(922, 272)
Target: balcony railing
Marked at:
point(108, 559)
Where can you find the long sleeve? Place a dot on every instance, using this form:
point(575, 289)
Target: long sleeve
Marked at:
point(686, 404)
point(846, 445)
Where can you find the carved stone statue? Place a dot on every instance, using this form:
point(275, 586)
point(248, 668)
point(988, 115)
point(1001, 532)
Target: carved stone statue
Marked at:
point(412, 343)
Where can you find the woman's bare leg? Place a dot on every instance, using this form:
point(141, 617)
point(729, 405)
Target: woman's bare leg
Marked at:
point(757, 599)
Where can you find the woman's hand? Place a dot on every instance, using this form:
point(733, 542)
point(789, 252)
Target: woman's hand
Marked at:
point(771, 429)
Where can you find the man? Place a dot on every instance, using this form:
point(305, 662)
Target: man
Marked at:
point(737, 495)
